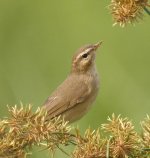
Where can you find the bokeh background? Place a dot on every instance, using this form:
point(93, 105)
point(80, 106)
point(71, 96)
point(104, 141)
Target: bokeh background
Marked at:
point(38, 39)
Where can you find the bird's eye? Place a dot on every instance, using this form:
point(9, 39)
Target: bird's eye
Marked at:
point(84, 55)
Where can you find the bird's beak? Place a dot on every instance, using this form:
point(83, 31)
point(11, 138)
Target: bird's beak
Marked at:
point(97, 45)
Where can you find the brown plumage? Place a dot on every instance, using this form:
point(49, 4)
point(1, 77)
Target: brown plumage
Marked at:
point(75, 95)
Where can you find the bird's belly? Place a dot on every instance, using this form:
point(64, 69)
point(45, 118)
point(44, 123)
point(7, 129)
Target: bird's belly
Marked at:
point(79, 110)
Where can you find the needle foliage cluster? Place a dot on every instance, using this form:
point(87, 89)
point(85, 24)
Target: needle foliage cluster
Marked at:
point(24, 129)
point(128, 11)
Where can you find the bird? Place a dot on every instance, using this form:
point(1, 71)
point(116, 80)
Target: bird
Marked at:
point(73, 98)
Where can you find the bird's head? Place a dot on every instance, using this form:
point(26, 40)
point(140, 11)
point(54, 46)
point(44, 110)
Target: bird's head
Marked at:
point(84, 58)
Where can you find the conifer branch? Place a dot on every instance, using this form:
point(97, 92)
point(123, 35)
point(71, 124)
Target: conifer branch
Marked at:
point(128, 11)
point(24, 129)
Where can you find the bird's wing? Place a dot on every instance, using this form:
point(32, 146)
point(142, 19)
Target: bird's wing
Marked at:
point(68, 95)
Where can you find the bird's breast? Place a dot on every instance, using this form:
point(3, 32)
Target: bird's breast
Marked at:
point(92, 79)
point(92, 82)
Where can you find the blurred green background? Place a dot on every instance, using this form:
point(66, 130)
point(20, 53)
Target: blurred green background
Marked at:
point(38, 39)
